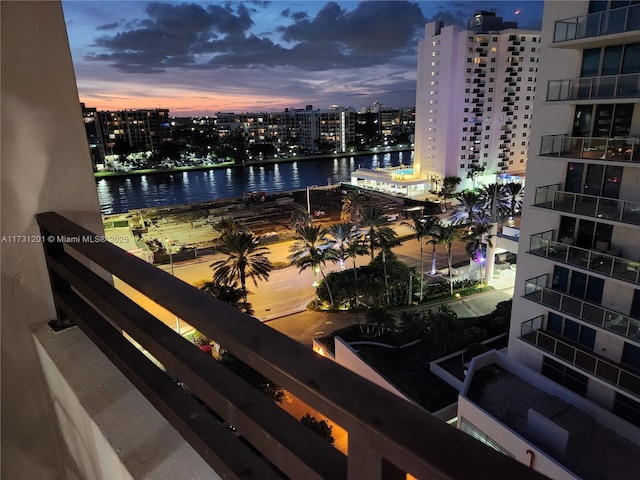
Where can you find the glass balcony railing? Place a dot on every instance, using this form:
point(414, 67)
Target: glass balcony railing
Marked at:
point(595, 88)
point(591, 148)
point(543, 245)
point(532, 332)
point(551, 197)
point(608, 22)
point(537, 291)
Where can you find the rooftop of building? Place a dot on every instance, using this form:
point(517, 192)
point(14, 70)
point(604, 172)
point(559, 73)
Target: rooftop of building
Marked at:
point(508, 398)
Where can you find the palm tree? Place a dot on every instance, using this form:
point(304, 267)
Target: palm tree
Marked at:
point(470, 209)
point(228, 293)
point(312, 251)
point(380, 319)
point(446, 235)
point(353, 250)
point(449, 186)
point(421, 226)
point(495, 201)
point(477, 235)
point(473, 173)
point(226, 226)
point(445, 329)
point(245, 259)
point(376, 226)
point(496, 208)
point(341, 235)
point(300, 217)
point(352, 207)
point(433, 230)
point(513, 194)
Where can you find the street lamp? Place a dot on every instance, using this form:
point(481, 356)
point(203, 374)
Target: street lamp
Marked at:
point(167, 245)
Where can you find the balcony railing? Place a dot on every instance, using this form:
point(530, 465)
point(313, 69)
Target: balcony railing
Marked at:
point(543, 245)
point(618, 20)
point(387, 435)
point(595, 88)
point(591, 148)
point(551, 197)
point(537, 291)
point(531, 332)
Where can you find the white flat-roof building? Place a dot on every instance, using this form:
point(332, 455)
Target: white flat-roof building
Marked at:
point(574, 338)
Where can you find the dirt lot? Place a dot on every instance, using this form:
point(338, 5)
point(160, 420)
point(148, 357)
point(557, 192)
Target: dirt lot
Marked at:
point(191, 226)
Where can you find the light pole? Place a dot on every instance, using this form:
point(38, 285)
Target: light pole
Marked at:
point(167, 245)
point(173, 274)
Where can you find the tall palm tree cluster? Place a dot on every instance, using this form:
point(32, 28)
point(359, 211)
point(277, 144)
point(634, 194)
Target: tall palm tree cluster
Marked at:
point(477, 210)
point(361, 232)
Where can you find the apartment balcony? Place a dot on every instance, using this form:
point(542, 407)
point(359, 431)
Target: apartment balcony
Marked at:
point(595, 88)
point(543, 245)
point(625, 378)
point(387, 436)
point(608, 22)
point(536, 290)
point(602, 208)
point(591, 148)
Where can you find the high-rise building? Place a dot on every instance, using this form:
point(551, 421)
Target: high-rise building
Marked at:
point(310, 130)
point(138, 130)
point(474, 100)
point(94, 134)
point(566, 400)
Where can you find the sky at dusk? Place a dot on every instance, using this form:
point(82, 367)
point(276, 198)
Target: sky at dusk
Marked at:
point(198, 58)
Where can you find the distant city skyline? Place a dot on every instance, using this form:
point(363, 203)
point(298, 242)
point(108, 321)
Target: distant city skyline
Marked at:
point(200, 58)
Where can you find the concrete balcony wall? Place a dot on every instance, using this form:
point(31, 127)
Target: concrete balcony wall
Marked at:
point(510, 441)
point(617, 296)
point(46, 165)
point(630, 187)
point(601, 394)
point(110, 429)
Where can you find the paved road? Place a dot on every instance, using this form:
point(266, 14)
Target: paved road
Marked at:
point(307, 325)
point(288, 291)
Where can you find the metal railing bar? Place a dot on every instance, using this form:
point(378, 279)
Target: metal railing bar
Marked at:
point(289, 444)
point(213, 441)
point(556, 342)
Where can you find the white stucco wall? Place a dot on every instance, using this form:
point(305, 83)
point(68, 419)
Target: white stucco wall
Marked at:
point(45, 166)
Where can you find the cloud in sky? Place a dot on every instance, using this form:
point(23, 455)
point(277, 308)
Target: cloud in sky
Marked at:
point(195, 36)
point(202, 57)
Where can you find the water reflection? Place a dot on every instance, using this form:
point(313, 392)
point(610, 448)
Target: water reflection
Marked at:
point(120, 194)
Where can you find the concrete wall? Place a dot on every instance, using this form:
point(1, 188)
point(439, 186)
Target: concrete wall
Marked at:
point(549, 119)
point(47, 430)
point(111, 430)
point(512, 442)
point(46, 165)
